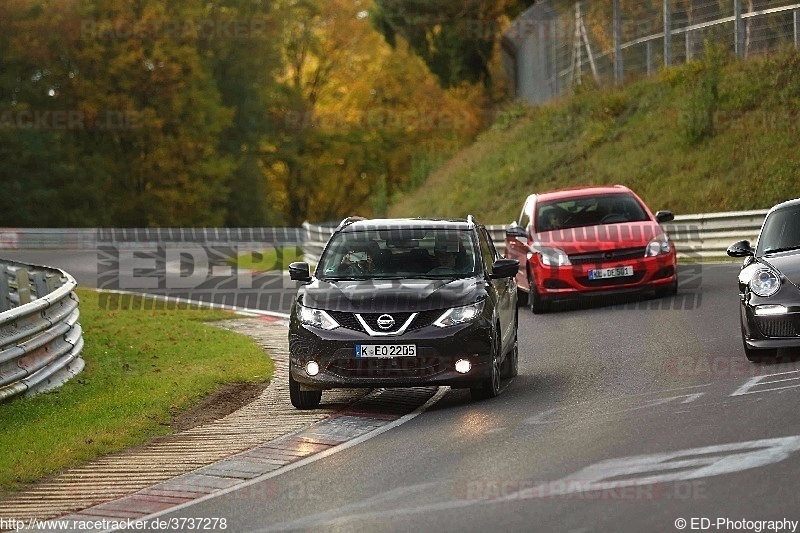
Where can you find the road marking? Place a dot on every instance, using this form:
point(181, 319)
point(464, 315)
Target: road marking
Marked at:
point(692, 463)
point(688, 464)
point(543, 418)
point(440, 393)
point(758, 380)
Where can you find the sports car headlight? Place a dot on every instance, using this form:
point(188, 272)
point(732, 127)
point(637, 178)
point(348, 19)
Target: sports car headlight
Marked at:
point(459, 315)
point(316, 318)
point(554, 257)
point(765, 282)
point(658, 246)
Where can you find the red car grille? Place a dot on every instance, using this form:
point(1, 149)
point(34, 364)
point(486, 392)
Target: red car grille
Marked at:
point(610, 255)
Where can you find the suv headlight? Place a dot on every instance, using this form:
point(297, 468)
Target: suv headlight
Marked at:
point(765, 282)
point(459, 315)
point(553, 257)
point(658, 246)
point(316, 318)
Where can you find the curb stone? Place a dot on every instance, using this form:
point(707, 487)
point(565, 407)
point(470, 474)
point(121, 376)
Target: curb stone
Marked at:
point(108, 478)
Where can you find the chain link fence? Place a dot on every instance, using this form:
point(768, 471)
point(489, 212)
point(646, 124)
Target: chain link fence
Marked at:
point(558, 44)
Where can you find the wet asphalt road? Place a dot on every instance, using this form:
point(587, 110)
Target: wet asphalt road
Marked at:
point(625, 417)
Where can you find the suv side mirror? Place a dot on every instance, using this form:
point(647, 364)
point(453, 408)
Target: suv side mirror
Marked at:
point(741, 249)
point(665, 216)
point(300, 272)
point(505, 268)
point(515, 231)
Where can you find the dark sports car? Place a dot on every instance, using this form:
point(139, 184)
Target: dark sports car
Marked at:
point(768, 284)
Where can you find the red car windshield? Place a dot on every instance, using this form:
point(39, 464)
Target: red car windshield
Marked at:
point(588, 211)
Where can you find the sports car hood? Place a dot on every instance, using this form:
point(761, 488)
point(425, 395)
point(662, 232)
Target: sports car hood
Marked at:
point(373, 296)
point(788, 263)
point(600, 238)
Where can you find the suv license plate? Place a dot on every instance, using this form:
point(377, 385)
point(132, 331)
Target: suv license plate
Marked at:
point(386, 350)
point(616, 272)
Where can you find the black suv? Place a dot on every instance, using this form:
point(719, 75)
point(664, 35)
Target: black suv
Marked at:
point(407, 302)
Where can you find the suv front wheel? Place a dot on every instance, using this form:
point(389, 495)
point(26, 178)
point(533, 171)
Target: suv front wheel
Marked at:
point(490, 387)
point(303, 399)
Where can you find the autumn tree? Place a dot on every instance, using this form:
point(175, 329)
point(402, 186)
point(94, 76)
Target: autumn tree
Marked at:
point(457, 40)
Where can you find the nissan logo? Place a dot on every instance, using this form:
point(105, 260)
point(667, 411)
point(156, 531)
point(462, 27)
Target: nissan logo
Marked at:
point(385, 321)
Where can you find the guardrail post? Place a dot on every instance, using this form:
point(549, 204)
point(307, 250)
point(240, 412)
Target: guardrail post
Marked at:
point(556, 70)
point(738, 30)
point(688, 46)
point(796, 13)
point(23, 286)
point(40, 284)
point(5, 294)
point(649, 58)
point(617, 45)
point(667, 34)
point(53, 282)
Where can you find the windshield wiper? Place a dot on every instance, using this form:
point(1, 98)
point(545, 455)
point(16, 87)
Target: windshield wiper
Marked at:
point(779, 250)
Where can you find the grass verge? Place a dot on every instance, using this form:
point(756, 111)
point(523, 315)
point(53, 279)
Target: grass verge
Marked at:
point(141, 366)
point(713, 135)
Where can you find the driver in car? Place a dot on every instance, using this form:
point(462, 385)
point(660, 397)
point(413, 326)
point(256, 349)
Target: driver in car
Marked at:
point(359, 259)
point(446, 252)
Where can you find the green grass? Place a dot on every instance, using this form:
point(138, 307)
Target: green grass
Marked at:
point(141, 365)
point(716, 135)
point(269, 260)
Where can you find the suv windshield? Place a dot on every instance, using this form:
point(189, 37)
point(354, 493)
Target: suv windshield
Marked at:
point(781, 231)
point(588, 211)
point(399, 253)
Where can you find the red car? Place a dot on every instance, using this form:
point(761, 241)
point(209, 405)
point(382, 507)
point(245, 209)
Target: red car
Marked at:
point(590, 241)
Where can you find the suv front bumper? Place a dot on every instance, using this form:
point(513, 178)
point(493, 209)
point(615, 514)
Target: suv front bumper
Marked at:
point(437, 349)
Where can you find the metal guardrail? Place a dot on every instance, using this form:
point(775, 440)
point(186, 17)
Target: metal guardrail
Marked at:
point(92, 238)
point(40, 338)
point(709, 235)
point(703, 236)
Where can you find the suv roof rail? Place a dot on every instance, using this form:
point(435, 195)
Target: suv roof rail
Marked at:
point(349, 220)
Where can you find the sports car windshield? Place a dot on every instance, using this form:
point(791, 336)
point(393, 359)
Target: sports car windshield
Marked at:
point(588, 211)
point(781, 231)
point(399, 254)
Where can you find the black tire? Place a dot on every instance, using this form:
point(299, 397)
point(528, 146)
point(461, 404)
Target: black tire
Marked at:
point(537, 304)
point(669, 290)
point(490, 387)
point(511, 362)
point(302, 399)
point(522, 298)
